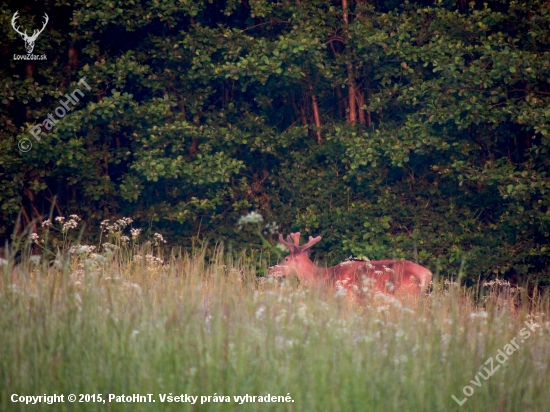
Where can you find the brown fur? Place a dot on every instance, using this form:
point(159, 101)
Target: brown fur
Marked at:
point(400, 277)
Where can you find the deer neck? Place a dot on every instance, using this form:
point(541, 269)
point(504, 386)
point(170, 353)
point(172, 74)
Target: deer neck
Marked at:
point(325, 273)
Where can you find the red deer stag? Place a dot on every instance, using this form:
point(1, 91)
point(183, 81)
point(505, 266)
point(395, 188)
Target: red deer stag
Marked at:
point(386, 276)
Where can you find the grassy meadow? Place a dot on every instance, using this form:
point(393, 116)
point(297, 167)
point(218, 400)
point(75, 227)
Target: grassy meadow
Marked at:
point(130, 321)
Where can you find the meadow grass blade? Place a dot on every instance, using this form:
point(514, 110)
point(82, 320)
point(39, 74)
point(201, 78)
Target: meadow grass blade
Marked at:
point(124, 322)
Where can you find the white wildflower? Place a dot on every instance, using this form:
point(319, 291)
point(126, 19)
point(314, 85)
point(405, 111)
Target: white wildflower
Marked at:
point(340, 292)
point(368, 281)
point(35, 259)
point(109, 246)
point(70, 224)
point(115, 227)
point(100, 259)
point(159, 238)
point(271, 228)
point(82, 249)
point(125, 221)
point(281, 316)
point(260, 312)
point(251, 218)
point(497, 282)
point(154, 260)
point(481, 314)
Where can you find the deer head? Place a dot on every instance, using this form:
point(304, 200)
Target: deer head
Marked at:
point(298, 261)
point(29, 40)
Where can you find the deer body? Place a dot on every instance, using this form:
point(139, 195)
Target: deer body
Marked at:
point(386, 276)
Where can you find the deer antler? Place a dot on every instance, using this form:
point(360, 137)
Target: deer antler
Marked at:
point(292, 243)
point(37, 32)
point(286, 243)
point(310, 243)
point(296, 238)
point(13, 19)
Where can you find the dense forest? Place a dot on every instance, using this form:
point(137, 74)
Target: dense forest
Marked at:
point(414, 129)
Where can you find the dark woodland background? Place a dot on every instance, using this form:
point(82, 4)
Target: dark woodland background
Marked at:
point(393, 129)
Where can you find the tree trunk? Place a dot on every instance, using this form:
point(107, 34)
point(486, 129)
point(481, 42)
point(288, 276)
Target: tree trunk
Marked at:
point(316, 112)
point(316, 117)
point(73, 57)
point(352, 115)
point(360, 103)
point(303, 115)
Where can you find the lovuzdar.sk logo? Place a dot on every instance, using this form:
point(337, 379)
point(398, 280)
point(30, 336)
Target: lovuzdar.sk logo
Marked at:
point(29, 40)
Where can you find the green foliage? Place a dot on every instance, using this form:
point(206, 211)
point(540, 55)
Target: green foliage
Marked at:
point(202, 111)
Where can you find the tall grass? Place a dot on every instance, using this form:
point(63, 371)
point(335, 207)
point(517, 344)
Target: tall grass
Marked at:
point(126, 323)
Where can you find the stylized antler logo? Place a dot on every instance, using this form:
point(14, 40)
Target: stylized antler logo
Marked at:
point(29, 40)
